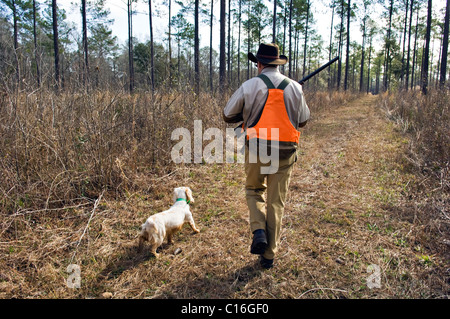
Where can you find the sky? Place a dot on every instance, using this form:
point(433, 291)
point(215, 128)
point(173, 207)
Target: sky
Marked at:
point(141, 31)
point(118, 8)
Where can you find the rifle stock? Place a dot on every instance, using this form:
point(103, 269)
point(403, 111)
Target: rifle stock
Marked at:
point(306, 78)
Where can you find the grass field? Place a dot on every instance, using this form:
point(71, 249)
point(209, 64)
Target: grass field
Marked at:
point(357, 209)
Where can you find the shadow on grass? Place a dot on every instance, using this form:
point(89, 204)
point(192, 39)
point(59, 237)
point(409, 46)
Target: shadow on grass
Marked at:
point(128, 259)
point(214, 286)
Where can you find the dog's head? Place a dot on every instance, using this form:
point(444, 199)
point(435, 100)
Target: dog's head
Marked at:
point(183, 192)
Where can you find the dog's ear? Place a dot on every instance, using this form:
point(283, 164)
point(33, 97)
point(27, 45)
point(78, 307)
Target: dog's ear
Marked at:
point(189, 194)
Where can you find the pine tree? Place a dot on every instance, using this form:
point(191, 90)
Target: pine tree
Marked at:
point(130, 45)
point(55, 41)
point(365, 4)
point(222, 77)
point(424, 79)
point(408, 54)
point(274, 24)
point(445, 45)
point(347, 59)
point(306, 36)
point(388, 47)
point(197, 50)
point(102, 44)
point(36, 54)
point(85, 41)
point(211, 47)
point(152, 51)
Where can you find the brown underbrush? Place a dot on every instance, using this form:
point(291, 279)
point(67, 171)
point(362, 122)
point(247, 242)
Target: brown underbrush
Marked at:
point(81, 173)
point(425, 119)
point(63, 156)
point(60, 149)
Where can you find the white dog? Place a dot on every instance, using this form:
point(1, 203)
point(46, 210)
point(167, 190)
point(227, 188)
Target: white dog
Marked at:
point(167, 223)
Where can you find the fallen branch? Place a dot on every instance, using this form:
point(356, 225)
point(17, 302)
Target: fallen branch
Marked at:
point(26, 212)
point(87, 226)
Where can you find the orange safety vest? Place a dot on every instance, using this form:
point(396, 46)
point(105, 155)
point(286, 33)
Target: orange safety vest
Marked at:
point(274, 115)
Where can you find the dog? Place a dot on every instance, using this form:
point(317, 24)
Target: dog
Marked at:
point(165, 224)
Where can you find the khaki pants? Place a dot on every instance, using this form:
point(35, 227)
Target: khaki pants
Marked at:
point(276, 185)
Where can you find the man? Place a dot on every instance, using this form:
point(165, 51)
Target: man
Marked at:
point(265, 103)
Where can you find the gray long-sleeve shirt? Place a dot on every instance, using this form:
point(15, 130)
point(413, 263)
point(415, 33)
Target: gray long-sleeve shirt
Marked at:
point(246, 103)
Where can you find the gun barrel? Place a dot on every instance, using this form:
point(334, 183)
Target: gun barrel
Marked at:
point(306, 78)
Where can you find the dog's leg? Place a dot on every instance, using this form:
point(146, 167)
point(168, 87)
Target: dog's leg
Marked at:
point(192, 224)
point(156, 240)
point(195, 229)
point(153, 250)
point(169, 237)
point(172, 232)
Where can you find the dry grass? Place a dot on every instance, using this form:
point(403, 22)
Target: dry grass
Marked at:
point(425, 123)
point(345, 208)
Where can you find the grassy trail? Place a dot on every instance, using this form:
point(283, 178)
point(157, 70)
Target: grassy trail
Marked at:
point(340, 217)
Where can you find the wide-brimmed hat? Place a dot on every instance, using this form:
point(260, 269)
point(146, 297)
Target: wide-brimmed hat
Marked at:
point(268, 54)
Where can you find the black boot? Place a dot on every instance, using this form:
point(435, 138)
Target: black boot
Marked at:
point(259, 243)
point(266, 263)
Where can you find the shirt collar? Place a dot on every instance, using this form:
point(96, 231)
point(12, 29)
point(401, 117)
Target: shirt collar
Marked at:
point(270, 70)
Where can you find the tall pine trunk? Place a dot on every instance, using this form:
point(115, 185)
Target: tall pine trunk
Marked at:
point(248, 37)
point(388, 46)
point(36, 55)
point(331, 47)
point(222, 58)
point(130, 46)
point(239, 45)
point(347, 58)
point(361, 77)
point(409, 45)
point(170, 43)
point(368, 63)
point(340, 47)
point(445, 46)
point(284, 33)
point(85, 42)
point(424, 78)
point(210, 47)
point(16, 41)
point(413, 70)
point(229, 43)
point(306, 37)
point(152, 53)
point(196, 50)
point(402, 74)
point(274, 25)
point(290, 39)
point(55, 42)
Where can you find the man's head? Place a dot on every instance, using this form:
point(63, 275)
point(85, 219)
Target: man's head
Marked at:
point(262, 66)
point(268, 55)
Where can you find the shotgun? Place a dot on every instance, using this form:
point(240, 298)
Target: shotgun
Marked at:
point(306, 78)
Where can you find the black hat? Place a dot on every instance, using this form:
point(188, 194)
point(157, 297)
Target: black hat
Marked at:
point(268, 54)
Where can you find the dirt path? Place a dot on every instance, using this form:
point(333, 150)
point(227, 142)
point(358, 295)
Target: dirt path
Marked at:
point(349, 177)
point(342, 234)
point(339, 227)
